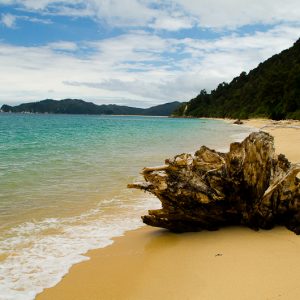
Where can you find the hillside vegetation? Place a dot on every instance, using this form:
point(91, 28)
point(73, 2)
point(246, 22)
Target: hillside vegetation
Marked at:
point(271, 90)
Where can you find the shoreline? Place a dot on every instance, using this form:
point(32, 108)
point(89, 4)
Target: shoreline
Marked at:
point(151, 263)
point(148, 263)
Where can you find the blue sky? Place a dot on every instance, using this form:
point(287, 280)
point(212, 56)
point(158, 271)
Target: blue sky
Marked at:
point(135, 52)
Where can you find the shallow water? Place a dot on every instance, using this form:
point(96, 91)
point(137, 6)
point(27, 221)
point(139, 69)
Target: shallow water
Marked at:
point(63, 186)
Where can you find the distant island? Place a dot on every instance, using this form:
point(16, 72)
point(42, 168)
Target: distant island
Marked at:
point(272, 90)
point(77, 106)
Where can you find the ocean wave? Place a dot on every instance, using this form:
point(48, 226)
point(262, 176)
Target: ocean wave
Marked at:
point(38, 254)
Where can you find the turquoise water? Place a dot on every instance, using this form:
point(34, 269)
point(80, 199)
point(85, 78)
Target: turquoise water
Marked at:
point(63, 186)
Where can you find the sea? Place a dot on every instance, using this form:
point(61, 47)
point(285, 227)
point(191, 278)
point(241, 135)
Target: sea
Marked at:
point(63, 185)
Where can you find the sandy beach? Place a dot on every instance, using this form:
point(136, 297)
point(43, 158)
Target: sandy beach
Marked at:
point(231, 263)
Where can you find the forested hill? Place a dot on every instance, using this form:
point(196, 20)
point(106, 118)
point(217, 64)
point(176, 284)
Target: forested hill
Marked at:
point(271, 90)
point(75, 106)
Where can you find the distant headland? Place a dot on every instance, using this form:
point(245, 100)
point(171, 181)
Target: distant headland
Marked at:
point(77, 106)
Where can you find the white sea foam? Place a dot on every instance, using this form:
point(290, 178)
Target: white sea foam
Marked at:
point(40, 253)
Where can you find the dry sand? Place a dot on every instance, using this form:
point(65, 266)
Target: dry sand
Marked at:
point(232, 263)
point(286, 133)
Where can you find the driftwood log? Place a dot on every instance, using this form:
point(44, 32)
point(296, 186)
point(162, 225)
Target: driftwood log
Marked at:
point(250, 185)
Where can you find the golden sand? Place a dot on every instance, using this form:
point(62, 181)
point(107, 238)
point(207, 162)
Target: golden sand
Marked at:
point(233, 263)
point(286, 133)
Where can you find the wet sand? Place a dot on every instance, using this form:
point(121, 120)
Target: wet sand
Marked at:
point(232, 263)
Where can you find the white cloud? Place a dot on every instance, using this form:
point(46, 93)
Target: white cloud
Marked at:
point(136, 67)
point(8, 20)
point(172, 14)
point(237, 13)
point(172, 23)
point(113, 12)
point(123, 13)
point(36, 4)
point(35, 20)
point(63, 46)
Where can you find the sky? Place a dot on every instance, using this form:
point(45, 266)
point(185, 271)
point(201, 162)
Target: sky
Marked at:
point(135, 52)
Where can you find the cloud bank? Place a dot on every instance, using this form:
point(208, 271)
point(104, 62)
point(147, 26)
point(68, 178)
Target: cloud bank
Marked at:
point(166, 50)
point(167, 14)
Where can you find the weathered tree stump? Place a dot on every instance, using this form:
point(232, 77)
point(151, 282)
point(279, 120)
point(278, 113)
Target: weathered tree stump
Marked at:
point(250, 185)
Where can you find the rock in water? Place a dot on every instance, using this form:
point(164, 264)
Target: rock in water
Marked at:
point(238, 122)
point(250, 185)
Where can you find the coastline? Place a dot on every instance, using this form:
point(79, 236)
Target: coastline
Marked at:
point(232, 263)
